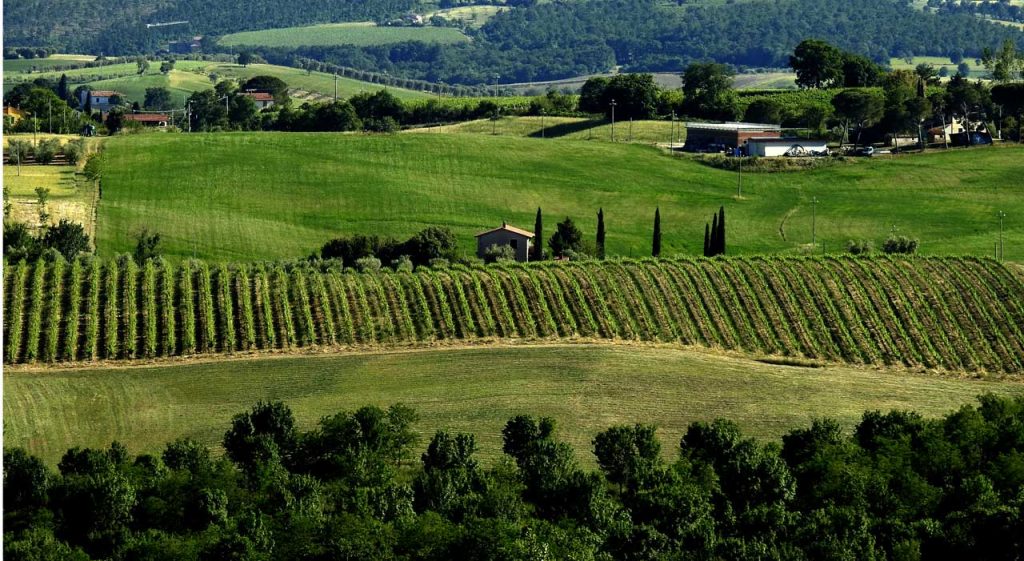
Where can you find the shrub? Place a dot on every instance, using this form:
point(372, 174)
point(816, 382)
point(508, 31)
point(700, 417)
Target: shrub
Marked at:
point(74, 150)
point(439, 263)
point(403, 264)
point(900, 245)
point(496, 253)
point(47, 150)
point(93, 167)
point(368, 264)
point(68, 238)
point(859, 247)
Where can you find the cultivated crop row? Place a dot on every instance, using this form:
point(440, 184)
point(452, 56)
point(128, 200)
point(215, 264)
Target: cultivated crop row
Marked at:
point(948, 313)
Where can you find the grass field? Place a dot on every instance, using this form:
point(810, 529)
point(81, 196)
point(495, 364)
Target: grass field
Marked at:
point(571, 128)
point(190, 76)
point(41, 64)
point(472, 16)
point(282, 195)
point(939, 62)
point(586, 388)
point(362, 34)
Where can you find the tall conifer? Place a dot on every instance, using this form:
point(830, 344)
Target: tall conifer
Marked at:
point(600, 233)
point(656, 244)
point(538, 238)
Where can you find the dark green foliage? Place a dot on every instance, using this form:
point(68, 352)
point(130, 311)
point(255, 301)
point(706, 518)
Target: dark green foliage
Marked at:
point(157, 99)
point(708, 93)
point(538, 237)
point(147, 244)
point(567, 238)
point(635, 96)
point(900, 245)
point(656, 242)
point(714, 238)
point(69, 238)
point(817, 64)
point(429, 243)
point(900, 487)
point(600, 234)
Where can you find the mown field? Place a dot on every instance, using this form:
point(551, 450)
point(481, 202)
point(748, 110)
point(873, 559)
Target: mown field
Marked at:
point(570, 128)
point(587, 388)
point(362, 34)
point(945, 313)
point(246, 196)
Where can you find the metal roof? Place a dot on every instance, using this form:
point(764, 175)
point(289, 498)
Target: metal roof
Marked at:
point(504, 226)
point(731, 126)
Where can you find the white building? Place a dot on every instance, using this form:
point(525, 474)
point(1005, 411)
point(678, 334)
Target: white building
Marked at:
point(773, 147)
point(98, 99)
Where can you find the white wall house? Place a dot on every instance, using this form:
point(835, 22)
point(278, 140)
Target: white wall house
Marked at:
point(775, 147)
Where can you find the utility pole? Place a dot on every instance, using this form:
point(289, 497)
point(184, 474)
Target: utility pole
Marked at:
point(630, 138)
point(49, 117)
point(1001, 216)
point(672, 134)
point(814, 205)
point(335, 87)
point(613, 120)
point(542, 131)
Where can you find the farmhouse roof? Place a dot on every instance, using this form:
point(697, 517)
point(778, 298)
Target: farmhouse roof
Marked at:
point(507, 228)
point(732, 126)
point(104, 93)
point(147, 117)
point(259, 96)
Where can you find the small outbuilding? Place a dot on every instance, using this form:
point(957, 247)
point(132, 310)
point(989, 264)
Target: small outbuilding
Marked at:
point(148, 119)
point(262, 100)
point(519, 240)
point(774, 147)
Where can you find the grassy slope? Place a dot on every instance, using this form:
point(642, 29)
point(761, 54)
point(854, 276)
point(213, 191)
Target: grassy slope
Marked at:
point(586, 388)
point(363, 34)
point(189, 76)
point(572, 128)
point(267, 195)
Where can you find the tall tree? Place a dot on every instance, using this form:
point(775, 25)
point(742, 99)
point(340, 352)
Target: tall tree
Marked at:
point(567, 237)
point(713, 246)
point(600, 233)
point(860, 107)
point(538, 236)
point(62, 87)
point(817, 64)
point(656, 243)
point(721, 231)
point(708, 93)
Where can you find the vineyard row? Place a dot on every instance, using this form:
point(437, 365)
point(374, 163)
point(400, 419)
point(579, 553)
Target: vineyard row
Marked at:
point(953, 313)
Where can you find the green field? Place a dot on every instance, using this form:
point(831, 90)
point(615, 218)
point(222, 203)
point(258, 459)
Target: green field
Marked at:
point(586, 388)
point(362, 34)
point(29, 65)
point(282, 195)
point(190, 76)
point(977, 70)
point(472, 16)
point(571, 128)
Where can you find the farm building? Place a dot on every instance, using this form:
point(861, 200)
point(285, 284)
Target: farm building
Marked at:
point(100, 99)
point(148, 119)
point(261, 99)
point(944, 133)
point(773, 147)
point(718, 136)
point(519, 240)
point(13, 114)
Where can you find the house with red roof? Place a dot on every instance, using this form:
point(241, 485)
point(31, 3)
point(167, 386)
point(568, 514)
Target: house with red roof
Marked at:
point(100, 100)
point(149, 119)
point(261, 99)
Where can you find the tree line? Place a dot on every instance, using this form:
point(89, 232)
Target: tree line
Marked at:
point(357, 486)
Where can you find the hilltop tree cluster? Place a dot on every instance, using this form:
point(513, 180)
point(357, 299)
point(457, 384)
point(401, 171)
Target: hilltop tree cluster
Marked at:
point(353, 487)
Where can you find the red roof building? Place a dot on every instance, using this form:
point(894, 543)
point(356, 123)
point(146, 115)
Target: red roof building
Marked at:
point(262, 99)
point(148, 119)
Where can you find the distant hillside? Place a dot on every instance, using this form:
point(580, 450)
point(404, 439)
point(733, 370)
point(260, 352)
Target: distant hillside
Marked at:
point(119, 26)
point(530, 42)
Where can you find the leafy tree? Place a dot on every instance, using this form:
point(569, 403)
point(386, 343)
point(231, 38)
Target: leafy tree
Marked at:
point(927, 73)
point(47, 150)
point(18, 151)
point(905, 108)
point(244, 58)
point(69, 238)
point(708, 93)
point(1005, 64)
point(147, 246)
point(62, 87)
point(73, 151)
point(142, 65)
point(860, 107)
point(817, 64)
point(158, 99)
point(592, 95)
point(624, 451)
point(19, 244)
point(268, 426)
point(567, 237)
point(900, 244)
point(764, 111)
point(432, 243)
point(635, 96)
point(860, 71)
point(1011, 98)
point(271, 84)
point(166, 66)
point(600, 233)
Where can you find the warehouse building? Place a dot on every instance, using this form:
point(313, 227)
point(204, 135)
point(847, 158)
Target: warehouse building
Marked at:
point(718, 137)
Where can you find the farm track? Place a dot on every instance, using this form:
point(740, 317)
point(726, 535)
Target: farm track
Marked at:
point(953, 314)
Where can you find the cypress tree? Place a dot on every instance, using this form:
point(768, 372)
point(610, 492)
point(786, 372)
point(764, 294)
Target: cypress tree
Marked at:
point(538, 237)
point(656, 244)
point(62, 87)
point(713, 246)
point(707, 239)
point(600, 233)
point(721, 230)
